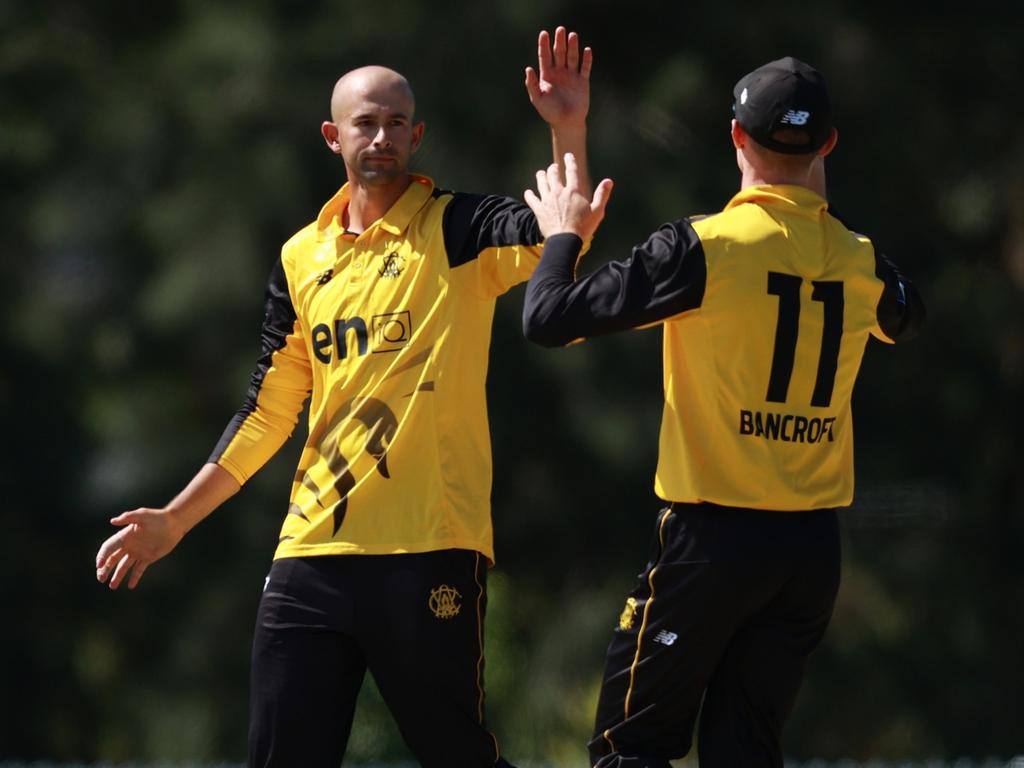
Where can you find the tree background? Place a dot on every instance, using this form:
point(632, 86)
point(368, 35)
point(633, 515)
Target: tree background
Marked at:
point(155, 156)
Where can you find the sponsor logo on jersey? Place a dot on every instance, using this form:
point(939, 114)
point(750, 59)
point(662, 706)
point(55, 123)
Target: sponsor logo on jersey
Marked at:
point(389, 332)
point(786, 427)
point(795, 117)
point(665, 637)
point(392, 266)
point(444, 602)
point(628, 614)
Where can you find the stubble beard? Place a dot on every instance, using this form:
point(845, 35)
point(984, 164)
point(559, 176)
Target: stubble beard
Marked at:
point(374, 175)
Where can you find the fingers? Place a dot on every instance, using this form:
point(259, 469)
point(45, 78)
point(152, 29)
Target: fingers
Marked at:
point(542, 184)
point(532, 84)
point(120, 571)
point(532, 200)
point(561, 48)
point(105, 561)
point(555, 179)
point(137, 571)
point(108, 548)
point(127, 518)
point(572, 171)
point(602, 195)
point(572, 59)
point(588, 63)
point(564, 53)
point(109, 552)
point(543, 53)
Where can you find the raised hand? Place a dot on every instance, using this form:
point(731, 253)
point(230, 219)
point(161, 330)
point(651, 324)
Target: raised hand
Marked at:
point(560, 87)
point(562, 207)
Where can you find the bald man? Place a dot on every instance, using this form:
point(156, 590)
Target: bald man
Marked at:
point(379, 312)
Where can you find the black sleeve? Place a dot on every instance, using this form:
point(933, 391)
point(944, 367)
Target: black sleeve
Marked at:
point(663, 277)
point(472, 223)
point(900, 311)
point(278, 322)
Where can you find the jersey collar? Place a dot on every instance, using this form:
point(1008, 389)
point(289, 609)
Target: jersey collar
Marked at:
point(788, 196)
point(395, 221)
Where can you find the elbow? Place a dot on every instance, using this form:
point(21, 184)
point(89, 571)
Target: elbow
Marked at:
point(912, 323)
point(537, 332)
point(901, 313)
point(540, 330)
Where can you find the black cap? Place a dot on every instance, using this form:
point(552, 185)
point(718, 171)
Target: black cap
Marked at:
point(784, 94)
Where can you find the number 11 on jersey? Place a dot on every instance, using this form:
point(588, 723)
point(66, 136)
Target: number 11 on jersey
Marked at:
point(830, 294)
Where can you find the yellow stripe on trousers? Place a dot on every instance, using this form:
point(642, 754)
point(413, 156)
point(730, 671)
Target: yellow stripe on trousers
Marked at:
point(480, 658)
point(647, 610)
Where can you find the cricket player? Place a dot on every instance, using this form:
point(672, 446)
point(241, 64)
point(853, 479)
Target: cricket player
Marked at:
point(379, 311)
point(766, 308)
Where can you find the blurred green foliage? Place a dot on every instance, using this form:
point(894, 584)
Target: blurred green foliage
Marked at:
point(154, 157)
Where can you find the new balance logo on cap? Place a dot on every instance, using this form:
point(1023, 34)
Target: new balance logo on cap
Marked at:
point(794, 117)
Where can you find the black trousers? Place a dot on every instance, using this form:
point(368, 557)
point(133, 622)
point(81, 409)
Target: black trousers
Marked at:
point(415, 621)
point(729, 607)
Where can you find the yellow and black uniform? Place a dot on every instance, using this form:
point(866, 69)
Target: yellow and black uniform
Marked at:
point(389, 330)
point(766, 309)
point(383, 553)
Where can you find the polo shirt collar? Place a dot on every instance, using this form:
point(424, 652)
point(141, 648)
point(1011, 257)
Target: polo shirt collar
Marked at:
point(791, 196)
point(395, 220)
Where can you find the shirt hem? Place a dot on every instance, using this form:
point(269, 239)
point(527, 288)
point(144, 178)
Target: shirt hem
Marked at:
point(288, 549)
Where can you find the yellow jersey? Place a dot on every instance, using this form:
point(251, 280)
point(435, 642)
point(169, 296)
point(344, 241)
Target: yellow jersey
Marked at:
point(388, 332)
point(767, 307)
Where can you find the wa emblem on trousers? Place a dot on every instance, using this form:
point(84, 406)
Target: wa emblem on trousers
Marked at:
point(444, 602)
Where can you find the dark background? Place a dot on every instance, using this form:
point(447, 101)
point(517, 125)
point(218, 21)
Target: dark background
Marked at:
point(155, 156)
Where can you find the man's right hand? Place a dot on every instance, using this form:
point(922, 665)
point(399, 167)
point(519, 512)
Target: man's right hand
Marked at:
point(563, 207)
point(146, 536)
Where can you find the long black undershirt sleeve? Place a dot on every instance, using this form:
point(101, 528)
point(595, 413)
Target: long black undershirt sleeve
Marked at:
point(475, 222)
point(900, 312)
point(278, 322)
point(663, 277)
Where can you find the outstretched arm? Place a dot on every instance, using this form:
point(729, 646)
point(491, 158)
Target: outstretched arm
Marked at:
point(146, 535)
point(664, 277)
point(560, 92)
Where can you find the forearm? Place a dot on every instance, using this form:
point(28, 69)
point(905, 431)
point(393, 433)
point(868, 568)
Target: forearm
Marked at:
point(211, 487)
point(544, 320)
point(572, 138)
point(664, 277)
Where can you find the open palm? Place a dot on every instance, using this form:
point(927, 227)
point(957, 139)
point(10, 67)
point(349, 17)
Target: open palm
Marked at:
point(560, 90)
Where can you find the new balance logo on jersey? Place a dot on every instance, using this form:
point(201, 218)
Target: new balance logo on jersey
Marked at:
point(795, 117)
point(390, 333)
point(665, 637)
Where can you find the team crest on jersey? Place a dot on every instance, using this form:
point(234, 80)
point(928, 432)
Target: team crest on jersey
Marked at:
point(325, 277)
point(628, 614)
point(393, 265)
point(444, 602)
